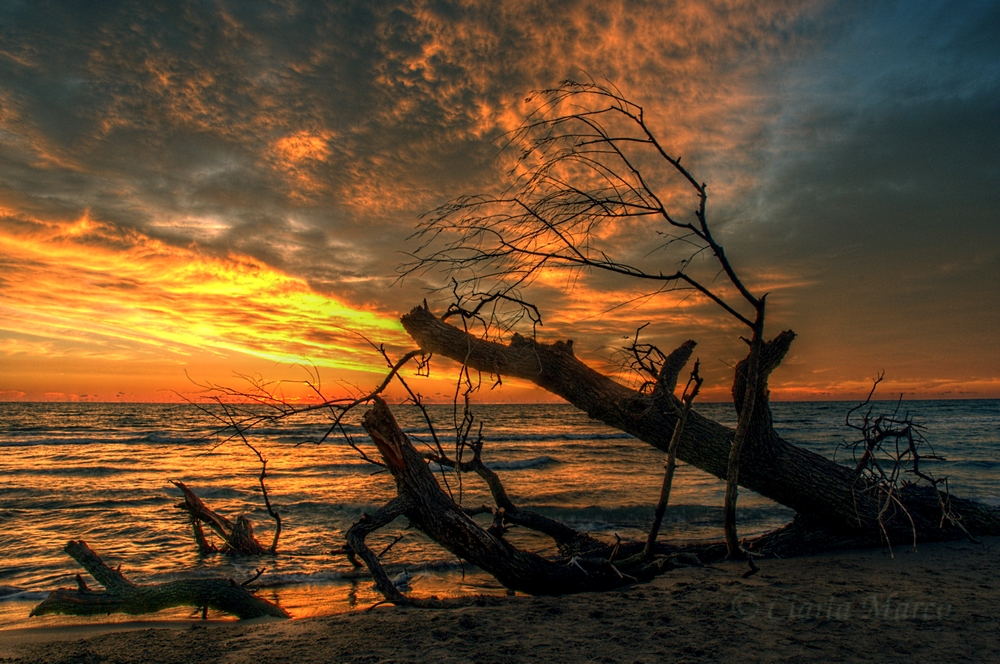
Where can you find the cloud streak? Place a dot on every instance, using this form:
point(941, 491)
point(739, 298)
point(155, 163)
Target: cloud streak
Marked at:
point(99, 285)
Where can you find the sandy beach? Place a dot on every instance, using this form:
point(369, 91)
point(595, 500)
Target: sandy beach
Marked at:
point(939, 603)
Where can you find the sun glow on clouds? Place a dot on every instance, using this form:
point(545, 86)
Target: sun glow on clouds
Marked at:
point(296, 156)
point(303, 146)
point(118, 293)
point(247, 136)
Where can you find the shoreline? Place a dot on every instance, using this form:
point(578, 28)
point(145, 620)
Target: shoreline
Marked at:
point(938, 603)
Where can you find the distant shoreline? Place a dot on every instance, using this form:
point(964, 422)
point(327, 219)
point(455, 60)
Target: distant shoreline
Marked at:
point(773, 400)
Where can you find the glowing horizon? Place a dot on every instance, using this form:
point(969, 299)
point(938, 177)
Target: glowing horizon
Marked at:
point(228, 191)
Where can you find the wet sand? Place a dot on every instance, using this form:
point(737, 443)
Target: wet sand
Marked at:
point(941, 603)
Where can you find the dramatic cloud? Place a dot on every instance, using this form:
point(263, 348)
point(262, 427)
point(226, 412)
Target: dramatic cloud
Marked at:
point(227, 180)
point(99, 284)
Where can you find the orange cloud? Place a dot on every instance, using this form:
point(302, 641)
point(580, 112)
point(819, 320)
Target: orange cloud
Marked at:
point(297, 157)
point(303, 146)
point(87, 287)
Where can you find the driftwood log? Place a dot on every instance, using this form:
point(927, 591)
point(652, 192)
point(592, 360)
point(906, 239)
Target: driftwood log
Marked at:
point(834, 505)
point(237, 538)
point(123, 596)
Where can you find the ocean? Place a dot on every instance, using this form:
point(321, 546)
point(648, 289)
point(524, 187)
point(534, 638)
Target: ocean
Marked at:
point(101, 472)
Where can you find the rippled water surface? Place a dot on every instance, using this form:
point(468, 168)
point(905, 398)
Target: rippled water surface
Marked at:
point(101, 473)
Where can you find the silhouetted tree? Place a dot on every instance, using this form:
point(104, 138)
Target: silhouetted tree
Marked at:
point(584, 168)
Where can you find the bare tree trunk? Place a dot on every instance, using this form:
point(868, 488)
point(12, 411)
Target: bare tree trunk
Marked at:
point(751, 374)
point(687, 399)
point(429, 508)
point(123, 596)
point(826, 496)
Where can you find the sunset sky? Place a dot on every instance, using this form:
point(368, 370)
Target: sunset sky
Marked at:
point(195, 190)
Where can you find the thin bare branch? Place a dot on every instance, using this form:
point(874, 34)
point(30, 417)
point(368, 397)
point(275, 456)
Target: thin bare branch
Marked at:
point(575, 180)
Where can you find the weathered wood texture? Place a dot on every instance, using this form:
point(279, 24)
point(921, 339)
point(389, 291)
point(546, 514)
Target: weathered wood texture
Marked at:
point(123, 596)
point(421, 499)
point(825, 494)
point(238, 538)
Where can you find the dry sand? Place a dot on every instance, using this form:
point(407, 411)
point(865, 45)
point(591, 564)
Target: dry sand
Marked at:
point(940, 603)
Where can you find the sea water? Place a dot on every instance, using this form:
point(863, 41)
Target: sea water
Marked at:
point(101, 472)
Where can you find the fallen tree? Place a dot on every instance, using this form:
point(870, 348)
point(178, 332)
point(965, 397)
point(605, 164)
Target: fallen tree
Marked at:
point(123, 596)
point(586, 165)
point(835, 505)
point(576, 180)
